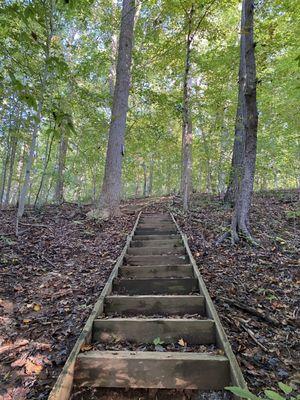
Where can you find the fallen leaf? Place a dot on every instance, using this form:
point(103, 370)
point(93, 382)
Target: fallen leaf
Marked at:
point(32, 368)
point(37, 307)
point(182, 343)
point(86, 347)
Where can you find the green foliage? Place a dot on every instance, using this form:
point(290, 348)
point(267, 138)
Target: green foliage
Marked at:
point(270, 394)
point(158, 342)
point(76, 98)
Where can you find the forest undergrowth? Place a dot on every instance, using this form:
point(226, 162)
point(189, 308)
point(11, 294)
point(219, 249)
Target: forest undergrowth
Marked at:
point(53, 272)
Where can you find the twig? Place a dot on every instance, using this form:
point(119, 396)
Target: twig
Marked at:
point(251, 310)
point(252, 335)
point(38, 225)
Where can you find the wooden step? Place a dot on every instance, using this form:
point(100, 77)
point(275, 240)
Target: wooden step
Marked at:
point(149, 305)
point(156, 225)
point(156, 250)
point(153, 231)
point(151, 370)
point(156, 243)
point(142, 330)
point(155, 260)
point(156, 237)
point(156, 286)
point(157, 271)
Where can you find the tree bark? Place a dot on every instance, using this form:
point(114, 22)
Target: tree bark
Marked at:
point(112, 184)
point(243, 195)
point(113, 53)
point(145, 179)
point(62, 154)
point(238, 149)
point(14, 142)
point(187, 129)
point(150, 186)
point(47, 159)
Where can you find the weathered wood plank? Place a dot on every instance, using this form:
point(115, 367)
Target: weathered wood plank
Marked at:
point(156, 250)
point(156, 286)
point(63, 386)
point(156, 243)
point(155, 260)
point(156, 237)
point(153, 231)
point(152, 370)
point(141, 330)
point(156, 271)
point(236, 376)
point(149, 305)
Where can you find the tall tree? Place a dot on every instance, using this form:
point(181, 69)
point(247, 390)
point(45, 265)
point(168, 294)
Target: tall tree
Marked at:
point(112, 182)
point(49, 12)
point(248, 104)
point(187, 128)
point(238, 153)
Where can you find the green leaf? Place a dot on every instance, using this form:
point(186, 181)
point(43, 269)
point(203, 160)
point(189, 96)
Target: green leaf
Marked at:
point(157, 341)
point(273, 395)
point(244, 393)
point(285, 388)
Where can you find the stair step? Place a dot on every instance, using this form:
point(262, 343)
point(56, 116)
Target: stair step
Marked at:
point(156, 243)
point(156, 260)
point(149, 305)
point(142, 330)
point(156, 250)
point(156, 286)
point(155, 231)
point(157, 271)
point(156, 237)
point(152, 370)
point(158, 224)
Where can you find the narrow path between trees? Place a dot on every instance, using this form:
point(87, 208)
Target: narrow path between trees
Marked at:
point(154, 324)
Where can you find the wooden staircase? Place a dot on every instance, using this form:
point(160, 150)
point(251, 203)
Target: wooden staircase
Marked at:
point(154, 291)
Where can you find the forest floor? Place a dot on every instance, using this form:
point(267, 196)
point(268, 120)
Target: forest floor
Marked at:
point(53, 272)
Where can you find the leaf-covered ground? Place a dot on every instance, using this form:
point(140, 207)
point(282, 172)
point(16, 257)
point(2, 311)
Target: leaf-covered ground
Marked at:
point(52, 274)
point(50, 278)
point(255, 290)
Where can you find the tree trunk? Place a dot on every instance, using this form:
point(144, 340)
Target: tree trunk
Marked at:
point(14, 142)
point(47, 159)
point(238, 150)
point(3, 177)
point(26, 184)
point(150, 187)
point(62, 153)
point(187, 129)
point(113, 53)
point(112, 184)
point(243, 195)
point(145, 179)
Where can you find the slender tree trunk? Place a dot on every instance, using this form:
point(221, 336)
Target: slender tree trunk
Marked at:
point(113, 53)
point(187, 129)
point(62, 154)
point(112, 183)
point(26, 184)
point(238, 154)
point(14, 142)
point(3, 177)
point(150, 187)
point(47, 159)
point(145, 179)
point(243, 195)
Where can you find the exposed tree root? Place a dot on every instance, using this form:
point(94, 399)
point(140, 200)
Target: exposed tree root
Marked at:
point(236, 236)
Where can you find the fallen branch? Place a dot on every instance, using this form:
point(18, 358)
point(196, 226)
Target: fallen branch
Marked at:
point(251, 310)
point(252, 335)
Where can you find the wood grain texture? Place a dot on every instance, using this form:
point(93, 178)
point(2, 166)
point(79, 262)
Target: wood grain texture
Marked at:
point(152, 370)
point(141, 330)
